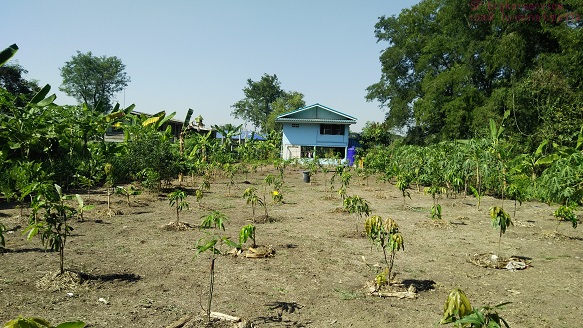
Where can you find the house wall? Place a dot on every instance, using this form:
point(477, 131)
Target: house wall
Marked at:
point(309, 135)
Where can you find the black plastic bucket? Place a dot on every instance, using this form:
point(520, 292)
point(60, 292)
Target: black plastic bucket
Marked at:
point(306, 176)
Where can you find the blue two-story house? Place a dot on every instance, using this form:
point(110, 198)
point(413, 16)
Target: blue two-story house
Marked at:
point(315, 130)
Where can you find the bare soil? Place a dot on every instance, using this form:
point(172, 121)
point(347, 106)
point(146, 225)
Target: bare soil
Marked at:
point(131, 270)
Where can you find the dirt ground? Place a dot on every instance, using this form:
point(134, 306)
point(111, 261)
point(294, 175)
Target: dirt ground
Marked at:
point(137, 274)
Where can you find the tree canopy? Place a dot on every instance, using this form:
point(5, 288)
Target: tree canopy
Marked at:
point(13, 82)
point(288, 102)
point(451, 65)
point(94, 80)
point(262, 99)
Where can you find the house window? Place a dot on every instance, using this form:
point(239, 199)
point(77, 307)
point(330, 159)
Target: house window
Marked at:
point(295, 125)
point(332, 129)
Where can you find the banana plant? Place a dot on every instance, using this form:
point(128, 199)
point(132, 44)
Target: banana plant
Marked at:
point(228, 131)
point(562, 151)
point(7, 53)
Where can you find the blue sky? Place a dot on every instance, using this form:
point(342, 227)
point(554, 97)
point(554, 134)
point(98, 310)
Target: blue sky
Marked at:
point(199, 54)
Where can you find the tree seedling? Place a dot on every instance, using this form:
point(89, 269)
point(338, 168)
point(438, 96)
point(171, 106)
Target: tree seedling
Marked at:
point(436, 207)
point(500, 220)
point(212, 245)
point(81, 208)
point(358, 205)
point(436, 212)
point(456, 306)
point(109, 180)
point(127, 192)
point(276, 196)
point(385, 235)
point(2, 240)
point(403, 182)
point(176, 198)
point(458, 310)
point(250, 195)
point(54, 226)
point(565, 213)
point(276, 183)
point(22, 322)
point(214, 220)
point(247, 232)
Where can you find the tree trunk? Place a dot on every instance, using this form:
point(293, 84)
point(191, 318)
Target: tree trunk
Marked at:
point(211, 289)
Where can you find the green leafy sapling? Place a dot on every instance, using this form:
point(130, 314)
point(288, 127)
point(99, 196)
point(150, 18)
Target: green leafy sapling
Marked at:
point(212, 244)
point(436, 212)
point(81, 207)
point(345, 180)
point(177, 198)
point(231, 170)
point(434, 191)
point(566, 213)
point(251, 197)
point(459, 311)
point(250, 194)
point(385, 235)
point(214, 220)
point(22, 322)
point(456, 306)
point(500, 220)
point(2, 240)
point(54, 226)
point(247, 232)
point(357, 205)
point(403, 181)
point(127, 192)
point(109, 182)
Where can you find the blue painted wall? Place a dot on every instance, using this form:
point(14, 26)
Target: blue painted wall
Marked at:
point(309, 135)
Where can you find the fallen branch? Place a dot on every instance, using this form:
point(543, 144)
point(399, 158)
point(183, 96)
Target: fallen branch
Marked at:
point(226, 317)
point(401, 295)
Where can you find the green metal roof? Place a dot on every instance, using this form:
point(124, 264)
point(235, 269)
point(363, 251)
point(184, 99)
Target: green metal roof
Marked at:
point(325, 116)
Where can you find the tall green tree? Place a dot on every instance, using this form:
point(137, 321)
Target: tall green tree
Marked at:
point(452, 65)
point(289, 101)
point(94, 80)
point(376, 134)
point(258, 102)
point(12, 80)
